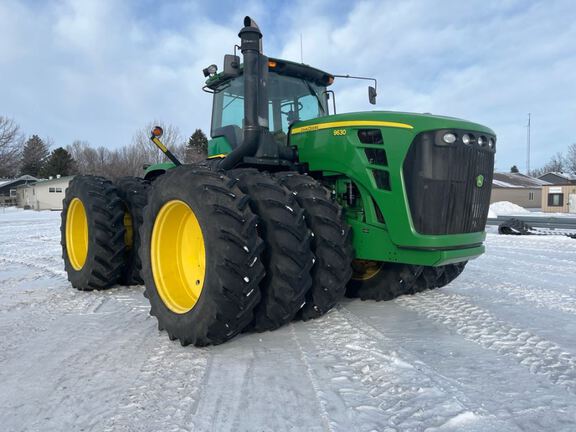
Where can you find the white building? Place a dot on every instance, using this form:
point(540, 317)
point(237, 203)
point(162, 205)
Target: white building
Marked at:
point(8, 188)
point(43, 195)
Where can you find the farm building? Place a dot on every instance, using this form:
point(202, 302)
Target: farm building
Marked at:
point(559, 178)
point(559, 198)
point(44, 194)
point(517, 188)
point(8, 188)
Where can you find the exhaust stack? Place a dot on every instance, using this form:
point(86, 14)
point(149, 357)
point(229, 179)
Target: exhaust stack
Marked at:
point(257, 140)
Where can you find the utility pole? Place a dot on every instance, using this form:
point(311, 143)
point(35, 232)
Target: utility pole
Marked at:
point(301, 50)
point(528, 147)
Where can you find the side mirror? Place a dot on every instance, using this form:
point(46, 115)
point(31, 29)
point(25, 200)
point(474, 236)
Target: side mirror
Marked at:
point(372, 95)
point(231, 66)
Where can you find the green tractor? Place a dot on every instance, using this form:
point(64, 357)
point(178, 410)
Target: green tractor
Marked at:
point(294, 207)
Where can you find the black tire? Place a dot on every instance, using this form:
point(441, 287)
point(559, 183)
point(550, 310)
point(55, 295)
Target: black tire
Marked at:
point(331, 243)
point(514, 227)
point(384, 281)
point(287, 255)
point(437, 277)
point(104, 216)
point(134, 194)
point(233, 267)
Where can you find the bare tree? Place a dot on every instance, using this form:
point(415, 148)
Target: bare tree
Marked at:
point(557, 163)
point(128, 160)
point(11, 144)
point(571, 159)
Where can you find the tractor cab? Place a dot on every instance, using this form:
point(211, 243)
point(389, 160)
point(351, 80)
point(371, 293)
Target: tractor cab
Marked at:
point(296, 92)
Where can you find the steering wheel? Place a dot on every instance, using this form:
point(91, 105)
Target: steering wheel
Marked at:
point(290, 106)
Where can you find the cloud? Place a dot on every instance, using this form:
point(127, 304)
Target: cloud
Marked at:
point(99, 70)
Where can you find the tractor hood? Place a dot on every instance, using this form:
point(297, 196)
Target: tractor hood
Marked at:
point(413, 122)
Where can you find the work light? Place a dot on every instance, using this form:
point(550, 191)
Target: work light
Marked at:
point(210, 70)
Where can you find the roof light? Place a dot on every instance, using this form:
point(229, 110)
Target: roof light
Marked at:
point(271, 64)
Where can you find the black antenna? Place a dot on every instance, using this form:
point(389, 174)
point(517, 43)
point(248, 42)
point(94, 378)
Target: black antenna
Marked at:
point(528, 147)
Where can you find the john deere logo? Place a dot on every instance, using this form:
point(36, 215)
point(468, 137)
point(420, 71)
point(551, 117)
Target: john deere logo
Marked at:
point(479, 180)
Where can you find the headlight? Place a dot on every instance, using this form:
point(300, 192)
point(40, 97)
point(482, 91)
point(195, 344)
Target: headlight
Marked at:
point(481, 141)
point(466, 139)
point(449, 138)
point(491, 143)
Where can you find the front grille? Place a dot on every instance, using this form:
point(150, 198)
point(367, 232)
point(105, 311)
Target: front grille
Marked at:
point(441, 184)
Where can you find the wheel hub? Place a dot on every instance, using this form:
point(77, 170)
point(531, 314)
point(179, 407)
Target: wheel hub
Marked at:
point(77, 234)
point(178, 256)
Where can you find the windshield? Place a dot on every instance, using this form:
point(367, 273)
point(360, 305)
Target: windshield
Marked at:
point(290, 100)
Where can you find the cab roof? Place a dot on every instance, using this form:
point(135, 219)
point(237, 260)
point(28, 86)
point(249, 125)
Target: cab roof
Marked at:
point(284, 67)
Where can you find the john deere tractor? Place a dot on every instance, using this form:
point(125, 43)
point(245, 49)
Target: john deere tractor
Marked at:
point(294, 207)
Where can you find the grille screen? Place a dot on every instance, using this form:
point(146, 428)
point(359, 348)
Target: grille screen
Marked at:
point(382, 179)
point(441, 185)
point(376, 156)
point(370, 136)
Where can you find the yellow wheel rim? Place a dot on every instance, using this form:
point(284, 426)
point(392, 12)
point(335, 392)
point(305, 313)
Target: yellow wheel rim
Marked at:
point(76, 234)
point(178, 256)
point(129, 231)
point(365, 270)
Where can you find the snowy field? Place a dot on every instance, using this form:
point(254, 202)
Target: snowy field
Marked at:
point(494, 351)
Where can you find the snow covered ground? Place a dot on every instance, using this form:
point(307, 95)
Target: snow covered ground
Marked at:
point(494, 351)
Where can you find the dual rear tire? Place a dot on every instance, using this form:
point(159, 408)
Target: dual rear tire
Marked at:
point(92, 233)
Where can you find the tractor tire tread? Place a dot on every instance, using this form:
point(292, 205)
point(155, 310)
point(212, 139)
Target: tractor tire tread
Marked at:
point(133, 192)
point(233, 274)
point(104, 264)
point(331, 243)
point(287, 255)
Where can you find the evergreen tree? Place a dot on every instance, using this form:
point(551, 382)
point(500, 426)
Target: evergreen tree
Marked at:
point(34, 156)
point(197, 147)
point(61, 163)
point(514, 169)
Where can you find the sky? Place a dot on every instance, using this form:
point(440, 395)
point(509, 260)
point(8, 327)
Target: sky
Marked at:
point(99, 70)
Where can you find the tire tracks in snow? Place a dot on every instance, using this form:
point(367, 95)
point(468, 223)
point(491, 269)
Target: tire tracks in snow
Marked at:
point(365, 385)
point(34, 264)
point(540, 297)
point(166, 392)
point(475, 324)
point(259, 382)
point(314, 383)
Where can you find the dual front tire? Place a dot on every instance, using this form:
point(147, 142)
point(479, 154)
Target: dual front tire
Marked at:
point(201, 256)
point(254, 245)
point(373, 280)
